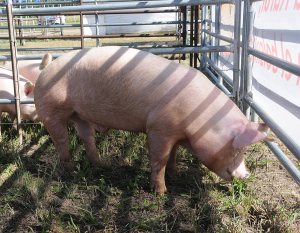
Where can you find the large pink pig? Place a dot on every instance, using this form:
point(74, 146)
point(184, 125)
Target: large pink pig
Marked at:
point(28, 111)
point(127, 89)
point(31, 69)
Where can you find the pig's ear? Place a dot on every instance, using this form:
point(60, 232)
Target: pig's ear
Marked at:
point(45, 61)
point(248, 137)
point(262, 127)
point(29, 87)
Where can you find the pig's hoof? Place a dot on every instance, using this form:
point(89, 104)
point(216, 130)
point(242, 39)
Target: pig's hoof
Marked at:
point(95, 162)
point(159, 190)
point(68, 166)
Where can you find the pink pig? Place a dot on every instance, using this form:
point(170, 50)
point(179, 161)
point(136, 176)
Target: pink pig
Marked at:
point(128, 89)
point(31, 69)
point(28, 111)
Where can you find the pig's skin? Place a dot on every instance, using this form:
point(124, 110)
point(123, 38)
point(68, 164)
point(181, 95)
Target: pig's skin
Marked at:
point(31, 69)
point(121, 88)
point(28, 111)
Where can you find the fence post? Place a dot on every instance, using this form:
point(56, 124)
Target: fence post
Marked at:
point(81, 27)
point(204, 11)
point(197, 32)
point(236, 52)
point(184, 28)
point(192, 34)
point(12, 40)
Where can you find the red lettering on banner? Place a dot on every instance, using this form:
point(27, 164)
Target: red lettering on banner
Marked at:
point(274, 53)
point(277, 5)
point(266, 5)
point(298, 79)
point(287, 54)
point(259, 44)
point(281, 42)
point(286, 5)
point(297, 5)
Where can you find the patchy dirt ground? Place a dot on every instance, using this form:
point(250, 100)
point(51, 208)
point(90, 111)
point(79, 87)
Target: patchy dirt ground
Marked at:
point(39, 196)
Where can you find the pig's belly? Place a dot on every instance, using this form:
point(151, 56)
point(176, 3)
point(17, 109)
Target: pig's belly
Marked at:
point(103, 121)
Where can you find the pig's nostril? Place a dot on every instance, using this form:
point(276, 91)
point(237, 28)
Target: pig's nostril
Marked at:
point(246, 176)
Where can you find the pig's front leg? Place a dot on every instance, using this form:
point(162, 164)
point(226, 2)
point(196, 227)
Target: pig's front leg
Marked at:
point(160, 147)
point(87, 133)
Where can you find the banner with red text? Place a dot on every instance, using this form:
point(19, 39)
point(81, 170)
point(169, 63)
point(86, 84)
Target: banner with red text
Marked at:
point(276, 31)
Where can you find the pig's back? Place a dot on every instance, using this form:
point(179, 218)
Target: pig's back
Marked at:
point(108, 85)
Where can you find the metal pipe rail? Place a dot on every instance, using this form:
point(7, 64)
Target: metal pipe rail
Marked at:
point(7, 58)
point(127, 5)
point(94, 36)
point(98, 25)
point(288, 66)
point(227, 48)
point(286, 139)
point(222, 87)
point(112, 12)
point(218, 70)
point(289, 166)
point(225, 38)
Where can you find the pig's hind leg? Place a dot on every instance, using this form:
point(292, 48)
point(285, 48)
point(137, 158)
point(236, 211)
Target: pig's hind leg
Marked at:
point(87, 133)
point(58, 131)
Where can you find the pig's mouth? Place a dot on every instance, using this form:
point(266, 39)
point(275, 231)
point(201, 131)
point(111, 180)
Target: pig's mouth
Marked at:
point(235, 174)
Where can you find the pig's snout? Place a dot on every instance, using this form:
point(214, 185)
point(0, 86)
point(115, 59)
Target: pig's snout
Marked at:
point(240, 172)
point(244, 177)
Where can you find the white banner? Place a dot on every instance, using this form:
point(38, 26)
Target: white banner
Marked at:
point(276, 32)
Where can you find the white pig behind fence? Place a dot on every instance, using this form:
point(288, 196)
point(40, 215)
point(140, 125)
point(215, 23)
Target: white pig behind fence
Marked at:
point(31, 69)
point(28, 111)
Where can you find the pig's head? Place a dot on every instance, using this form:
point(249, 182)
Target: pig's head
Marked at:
point(28, 110)
point(229, 162)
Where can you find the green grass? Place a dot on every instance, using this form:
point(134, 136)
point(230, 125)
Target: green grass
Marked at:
point(116, 196)
point(38, 195)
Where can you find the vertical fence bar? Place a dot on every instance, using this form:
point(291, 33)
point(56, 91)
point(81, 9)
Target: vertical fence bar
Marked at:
point(249, 111)
point(81, 27)
point(191, 34)
point(236, 53)
point(245, 58)
point(244, 55)
point(217, 41)
point(97, 27)
point(184, 31)
point(12, 40)
point(196, 40)
point(203, 34)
